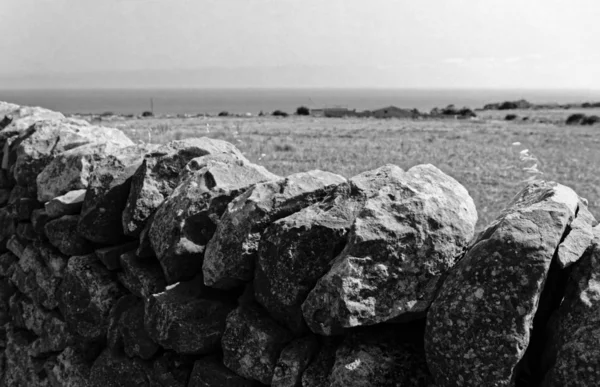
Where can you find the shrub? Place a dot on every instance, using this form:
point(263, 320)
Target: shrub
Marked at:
point(575, 119)
point(280, 113)
point(510, 117)
point(147, 114)
point(223, 114)
point(284, 148)
point(302, 111)
point(590, 120)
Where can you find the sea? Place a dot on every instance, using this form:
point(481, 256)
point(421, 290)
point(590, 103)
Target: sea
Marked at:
point(242, 101)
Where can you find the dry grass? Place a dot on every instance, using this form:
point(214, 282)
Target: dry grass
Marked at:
point(479, 154)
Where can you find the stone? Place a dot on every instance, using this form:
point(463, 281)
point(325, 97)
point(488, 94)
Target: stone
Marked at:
point(576, 329)
point(7, 262)
point(479, 326)
point(185, 222)
point(379, 359)
point(107, 192)
point(252, 343)
point(67, 204)
point(26, 232)
point(52, 331)
point(209, 373)
point(578, 239)
point(87, 294)
point(158, 176)
point(402, 243)
point(115, 370)
point(16, 246)
point(24, 208)
point(187, 318)
point(293, 361)
point(20, 118)
point(232, 252)
point(4, 195)
point(8, 223)
point(62, 234)
point(173, 370)
point(20, 368)
point(72, 169)
point(46, 267)
point(69, 369)
point(317, 372)
point(111, 256)
point(36, 147)
point(39, 218)
point(126, 329)
point(142, 277)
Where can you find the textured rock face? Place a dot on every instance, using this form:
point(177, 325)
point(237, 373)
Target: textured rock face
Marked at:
point(404, 239)
point(293, 361)
point(172, 370)
point(106, 195)
point(209, 373)
point(142, 277)
point(63, 234)
point(158, 176)
point(317, 372)
point(231, 253)
point(67, 204)
point(68, 370)
point(185, 222)
point(479, 326)
point(71, 170)
point(575, 340)
point(88, 293)
point(116, 370)
point(187, 318)
point(20, 368)
point(578, 239)
point(252, 343)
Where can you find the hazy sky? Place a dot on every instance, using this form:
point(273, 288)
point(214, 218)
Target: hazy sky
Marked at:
point(300, 43)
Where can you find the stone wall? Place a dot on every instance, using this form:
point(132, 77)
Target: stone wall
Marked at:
point(185, 264)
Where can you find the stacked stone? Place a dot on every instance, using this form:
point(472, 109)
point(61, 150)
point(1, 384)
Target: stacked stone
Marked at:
point(187, 265)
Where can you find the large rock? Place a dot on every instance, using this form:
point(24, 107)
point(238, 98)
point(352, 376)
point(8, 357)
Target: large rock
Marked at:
point(158, 176)
point(69, 369)
point(35, 148)
point(21, 369)
point(116, 370)
point(72, 169)
point(578, 239)
point(381, 359)
point(209, 373)
point(107, 192)
point(252, 343)
point(187, 317)
point(404, 240)
point(296, 251)
point(480, 324)
point(88, 293)
point(292, 362)
point(126, 329)
point(142, 277)
point(67, 204)
point(16, 119)
point(574, 344)
point(186, 221)
point(64, 235)
point(231, 254)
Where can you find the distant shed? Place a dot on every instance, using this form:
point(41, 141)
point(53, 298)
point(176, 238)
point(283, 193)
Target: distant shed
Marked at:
point(394, 112)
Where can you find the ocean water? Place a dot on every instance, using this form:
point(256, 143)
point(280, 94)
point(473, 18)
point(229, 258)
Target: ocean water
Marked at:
point(213, 101)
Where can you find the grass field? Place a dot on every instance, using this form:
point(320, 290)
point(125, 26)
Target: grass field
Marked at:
point(480, 153)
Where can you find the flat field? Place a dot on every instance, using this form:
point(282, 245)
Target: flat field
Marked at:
point(481, 154)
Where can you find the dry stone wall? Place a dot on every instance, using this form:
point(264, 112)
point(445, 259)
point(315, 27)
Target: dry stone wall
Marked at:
point(187, 265)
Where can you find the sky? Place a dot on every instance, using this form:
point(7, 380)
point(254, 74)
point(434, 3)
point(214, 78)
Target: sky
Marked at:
point(547, 44)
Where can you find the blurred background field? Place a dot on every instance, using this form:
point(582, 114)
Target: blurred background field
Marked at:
point(482, 154)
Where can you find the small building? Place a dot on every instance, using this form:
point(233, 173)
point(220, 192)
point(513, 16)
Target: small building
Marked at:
point(394, 112)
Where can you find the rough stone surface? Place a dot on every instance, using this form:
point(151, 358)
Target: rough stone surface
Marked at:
point(62, 234)
point(185, 222)
point(158, 176)
point(578, 239)
point(292, 362)
point(404, 240)
point(576, 331)
point(107, 192)
point(111, 256)
point(67, 204)
point(209, 373)
point(39, 218)
point(69, 369)
point(173, 370)
point(479, 326)
point(72, 169)
point(252, 343)
point(126, 329)
point(317, 372)
point(142, 277)
point(187, 318)
point(88, 293)
point(231, 254)
point(116, 370)
point(21, 369)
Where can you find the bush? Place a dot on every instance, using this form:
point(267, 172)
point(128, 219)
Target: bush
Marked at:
point(284, 148)
point(510, 117)
point(507, 105)
point(280, 113)
point(223, 114)
point(303, 111)
point(575, 119)
point(590, 120)
point(147, 114)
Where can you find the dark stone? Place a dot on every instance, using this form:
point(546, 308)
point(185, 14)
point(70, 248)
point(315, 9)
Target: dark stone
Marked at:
point(116, 370)
point(111, 256)
point(142, 277)
point(293, 361)
point(62, 234)
point(67, 204)
point(318, 371)
point(173, 370)
point(69, 369)
point(209, 373)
